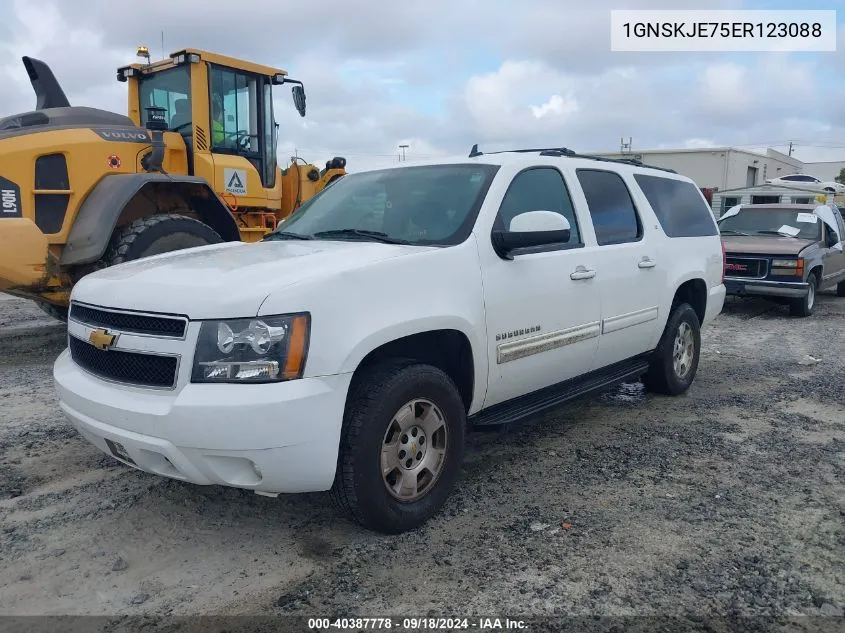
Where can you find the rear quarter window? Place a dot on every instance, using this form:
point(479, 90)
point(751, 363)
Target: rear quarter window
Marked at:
point(679, 206)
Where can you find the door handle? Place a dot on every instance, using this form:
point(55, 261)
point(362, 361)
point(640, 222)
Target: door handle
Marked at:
point(582, 273)
point(647, 262)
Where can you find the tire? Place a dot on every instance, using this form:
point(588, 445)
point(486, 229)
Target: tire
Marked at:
point(373, 416)
point(804, 306)
point(158, 234)
point(664, 375)
point(57, 312)
point(840, 289)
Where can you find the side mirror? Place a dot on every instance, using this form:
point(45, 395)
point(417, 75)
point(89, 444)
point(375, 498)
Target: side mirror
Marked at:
point(533, 228)
point(832, 239)
point(298, 93)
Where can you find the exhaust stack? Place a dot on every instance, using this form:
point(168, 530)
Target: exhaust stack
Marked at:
point(48, 92)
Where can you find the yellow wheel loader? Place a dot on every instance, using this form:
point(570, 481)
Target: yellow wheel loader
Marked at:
point(193, 163)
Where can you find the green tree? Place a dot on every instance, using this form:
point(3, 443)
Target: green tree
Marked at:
point(841, 177)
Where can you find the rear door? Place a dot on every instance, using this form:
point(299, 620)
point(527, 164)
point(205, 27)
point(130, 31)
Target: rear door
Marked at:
point(629, 272)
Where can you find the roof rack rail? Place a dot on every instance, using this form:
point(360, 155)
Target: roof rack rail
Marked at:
point(565, 151)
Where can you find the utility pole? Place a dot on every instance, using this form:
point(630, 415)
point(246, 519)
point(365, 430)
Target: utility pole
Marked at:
point(402, 147)
point(163, 54)
point(790, 147)
point(625, 147)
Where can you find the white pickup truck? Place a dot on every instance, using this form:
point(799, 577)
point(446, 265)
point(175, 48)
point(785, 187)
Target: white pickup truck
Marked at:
point(352, 348)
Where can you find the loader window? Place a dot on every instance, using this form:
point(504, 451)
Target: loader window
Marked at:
point(171, 90)
point(234, 112)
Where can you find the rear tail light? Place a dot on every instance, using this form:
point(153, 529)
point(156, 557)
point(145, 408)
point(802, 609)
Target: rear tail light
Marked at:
point(724, 260)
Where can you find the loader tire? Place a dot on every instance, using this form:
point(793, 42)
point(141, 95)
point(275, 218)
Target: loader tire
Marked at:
point(158, 234)
point(57, 312)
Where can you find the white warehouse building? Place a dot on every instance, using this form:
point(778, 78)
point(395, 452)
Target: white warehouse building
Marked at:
point(720, 168)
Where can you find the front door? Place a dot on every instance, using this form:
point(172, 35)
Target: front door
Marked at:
point(543, 307)
point(629, 272)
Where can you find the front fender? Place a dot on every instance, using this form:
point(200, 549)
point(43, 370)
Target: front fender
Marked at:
point(430, 323)
point(97, 218)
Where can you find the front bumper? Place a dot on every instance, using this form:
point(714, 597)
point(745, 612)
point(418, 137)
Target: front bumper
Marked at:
point(740, 287)
point(271, 438)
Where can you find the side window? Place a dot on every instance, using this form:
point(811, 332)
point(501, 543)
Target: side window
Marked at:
point(538, 189)
point(765, 199)
point(729, 203)
point(234, 111)
point(678, 205)
point(614, 217)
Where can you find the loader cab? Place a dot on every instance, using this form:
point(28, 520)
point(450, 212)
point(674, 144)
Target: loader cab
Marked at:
point(223, 109)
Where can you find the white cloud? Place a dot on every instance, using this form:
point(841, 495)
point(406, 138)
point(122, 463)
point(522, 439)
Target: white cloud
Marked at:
point(555, 106)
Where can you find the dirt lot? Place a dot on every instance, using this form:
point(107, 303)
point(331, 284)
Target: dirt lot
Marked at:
point(727, 501)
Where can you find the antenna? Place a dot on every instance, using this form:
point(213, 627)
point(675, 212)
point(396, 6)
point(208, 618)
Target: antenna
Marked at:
point(163, 55)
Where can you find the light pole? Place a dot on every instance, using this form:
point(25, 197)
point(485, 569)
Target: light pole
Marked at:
point(402, 147)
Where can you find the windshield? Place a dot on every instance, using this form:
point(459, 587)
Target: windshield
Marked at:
point(169, 89)
point(431, 205)
point(788, 222)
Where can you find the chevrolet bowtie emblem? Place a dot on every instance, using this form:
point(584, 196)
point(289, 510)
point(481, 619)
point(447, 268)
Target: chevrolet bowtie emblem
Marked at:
point(101, 339)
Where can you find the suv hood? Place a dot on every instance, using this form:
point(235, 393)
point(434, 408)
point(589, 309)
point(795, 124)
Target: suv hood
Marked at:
point(765, 244)
point(226, 280)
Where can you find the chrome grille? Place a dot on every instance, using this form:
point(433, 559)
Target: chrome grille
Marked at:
point(134, 368)
point(150, 325)
point(749, 267)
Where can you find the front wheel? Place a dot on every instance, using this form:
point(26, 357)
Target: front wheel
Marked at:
point(803, 307)
point(158, 234)
point(675, 361)
point(401, 446)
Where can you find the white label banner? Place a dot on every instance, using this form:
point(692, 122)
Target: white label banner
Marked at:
point(723, 30)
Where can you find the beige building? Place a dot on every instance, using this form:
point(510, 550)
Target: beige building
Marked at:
point(827, 170)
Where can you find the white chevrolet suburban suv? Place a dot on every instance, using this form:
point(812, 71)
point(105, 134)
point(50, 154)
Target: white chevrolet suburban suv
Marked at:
point(353, 347)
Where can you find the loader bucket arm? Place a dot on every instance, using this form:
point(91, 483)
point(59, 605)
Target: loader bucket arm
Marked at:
point(48, 92)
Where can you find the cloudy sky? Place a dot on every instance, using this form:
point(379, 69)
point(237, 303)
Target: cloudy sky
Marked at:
point(440, 75)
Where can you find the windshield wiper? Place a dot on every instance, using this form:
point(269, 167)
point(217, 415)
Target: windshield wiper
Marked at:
point(373, 235)
point(732, 231)
point(774, 233)
point(285, 235)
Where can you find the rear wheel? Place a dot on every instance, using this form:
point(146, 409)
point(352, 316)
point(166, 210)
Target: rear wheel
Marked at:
point(803, 307)
point(675, 361)
point(401, 446)
point(158, 234)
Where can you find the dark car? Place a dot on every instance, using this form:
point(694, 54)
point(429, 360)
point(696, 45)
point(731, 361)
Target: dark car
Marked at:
point(786, 252)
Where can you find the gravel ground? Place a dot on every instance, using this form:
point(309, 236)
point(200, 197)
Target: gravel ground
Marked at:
point(727, 502)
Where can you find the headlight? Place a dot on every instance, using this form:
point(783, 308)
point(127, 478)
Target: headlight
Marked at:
point(260, 349)
point(784, 263)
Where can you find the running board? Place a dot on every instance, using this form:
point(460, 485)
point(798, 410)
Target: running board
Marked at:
point(553, 396)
